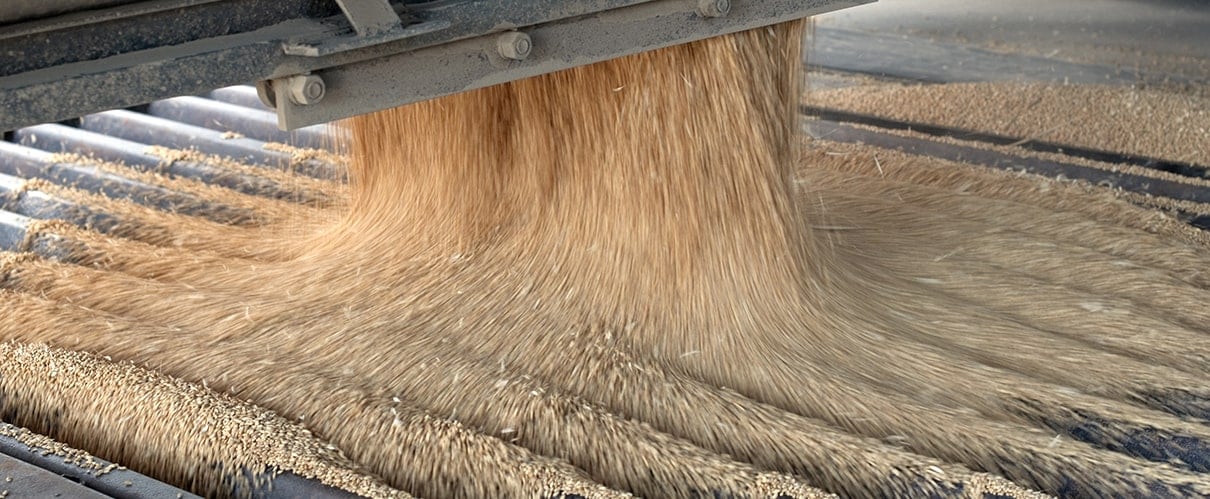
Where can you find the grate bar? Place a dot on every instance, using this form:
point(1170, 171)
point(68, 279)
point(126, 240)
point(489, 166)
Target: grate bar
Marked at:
point(59, 138)
point(252, 123)
point(25, 162)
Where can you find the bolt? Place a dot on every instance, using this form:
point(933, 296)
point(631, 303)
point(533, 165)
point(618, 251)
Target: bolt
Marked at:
point(305, 89)
point(713, 8)
point(514, 45)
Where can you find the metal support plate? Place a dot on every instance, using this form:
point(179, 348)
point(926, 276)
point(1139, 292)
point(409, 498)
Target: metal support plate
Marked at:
point(474, 63)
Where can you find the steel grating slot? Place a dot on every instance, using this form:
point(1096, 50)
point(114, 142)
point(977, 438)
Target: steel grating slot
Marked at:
point(26, 162)
point(252, 123)
point(64, 139)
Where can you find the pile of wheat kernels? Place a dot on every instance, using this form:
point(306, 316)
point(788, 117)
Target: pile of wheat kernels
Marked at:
point(634, 277)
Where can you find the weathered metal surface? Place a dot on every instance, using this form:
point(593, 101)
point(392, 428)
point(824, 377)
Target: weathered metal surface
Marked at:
point(117, 482)
point(370, 17)
point(26, 162)
point(138, 127)
point(70, 70)
point(20, 10)
point(20, 479)
point(38, 472)
point(474, 62)
point(240, 95)
point(84, 36)
point(259, 124)
point(63, 139)
point(146, 129)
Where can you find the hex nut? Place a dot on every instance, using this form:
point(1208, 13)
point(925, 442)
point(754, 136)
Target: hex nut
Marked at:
point(306, 89)
point(514, 45)
point(713, 8)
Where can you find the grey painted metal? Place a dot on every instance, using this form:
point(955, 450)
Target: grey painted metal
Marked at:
point(713, 8)
point(119, 482)
point(240, 95)
point(374, 22)
point(42, 206)
point(15, 198)
point(514, 45)
point(322, 46)
point(191, 59)
point(58, 74)
point(65, 139)
point(291, 486)
point(139, 127)
point(145, 25)
point(25, 162)
point(371, 17)
point(257, 123)
point(10, 185)
point(473, 63)
point(22, 10)
point(305, 89)
point(142, 128)
point(22, 479)
point(42, 472)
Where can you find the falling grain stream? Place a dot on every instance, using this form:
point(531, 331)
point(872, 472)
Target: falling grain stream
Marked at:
point(627, 278)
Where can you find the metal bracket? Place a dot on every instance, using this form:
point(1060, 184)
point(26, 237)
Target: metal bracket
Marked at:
point(491, 58)
point(370, 17)
point(374, 22)
point(347, 43)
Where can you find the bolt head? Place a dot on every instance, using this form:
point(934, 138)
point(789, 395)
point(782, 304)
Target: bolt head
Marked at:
point(514, 45)
point(713, 8)
point(306, 89)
